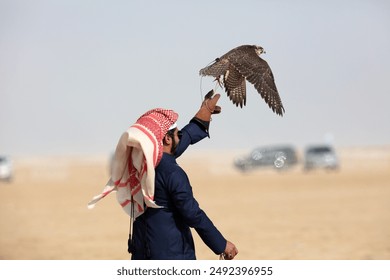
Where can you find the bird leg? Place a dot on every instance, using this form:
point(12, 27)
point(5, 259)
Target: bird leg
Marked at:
point(219, 81)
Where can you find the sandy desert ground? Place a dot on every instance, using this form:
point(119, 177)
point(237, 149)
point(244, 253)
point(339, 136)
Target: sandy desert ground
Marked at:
point(269, 215)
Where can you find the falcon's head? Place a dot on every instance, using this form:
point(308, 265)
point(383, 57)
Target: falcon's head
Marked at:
point(259, 50)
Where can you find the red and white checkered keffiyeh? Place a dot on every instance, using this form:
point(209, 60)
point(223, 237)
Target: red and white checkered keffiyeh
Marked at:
point(138, 152)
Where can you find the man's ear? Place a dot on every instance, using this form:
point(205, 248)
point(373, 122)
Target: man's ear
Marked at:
point(167, 140)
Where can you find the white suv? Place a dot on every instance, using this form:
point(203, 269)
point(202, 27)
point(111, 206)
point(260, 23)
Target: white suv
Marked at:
point(5, 168)
point(320, 156)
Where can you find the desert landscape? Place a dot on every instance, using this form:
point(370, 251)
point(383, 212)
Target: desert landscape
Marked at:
point(269, 215)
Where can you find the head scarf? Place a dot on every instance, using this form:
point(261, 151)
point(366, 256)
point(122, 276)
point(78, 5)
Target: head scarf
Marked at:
point(137, 154)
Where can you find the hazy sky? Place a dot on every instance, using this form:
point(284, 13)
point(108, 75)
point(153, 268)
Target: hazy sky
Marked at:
point(75, 74)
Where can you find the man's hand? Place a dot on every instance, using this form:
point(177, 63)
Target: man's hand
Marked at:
point(210, 102)
point(230, 251)
point(208, 107)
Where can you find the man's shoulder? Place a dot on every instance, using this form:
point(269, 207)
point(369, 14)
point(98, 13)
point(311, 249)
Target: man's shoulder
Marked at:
point(168, 164)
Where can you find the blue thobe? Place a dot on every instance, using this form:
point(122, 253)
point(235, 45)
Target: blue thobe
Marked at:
point(164, 233)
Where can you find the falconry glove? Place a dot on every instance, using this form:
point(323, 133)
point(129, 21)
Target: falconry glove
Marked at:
point(209, 106)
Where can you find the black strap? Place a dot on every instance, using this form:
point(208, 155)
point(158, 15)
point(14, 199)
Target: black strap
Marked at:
point(130, 244)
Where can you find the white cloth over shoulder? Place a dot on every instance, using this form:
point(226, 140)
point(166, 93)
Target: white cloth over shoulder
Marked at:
point(138, 152)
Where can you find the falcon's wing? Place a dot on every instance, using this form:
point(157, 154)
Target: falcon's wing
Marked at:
point(257, 71)
point(234, 83)
point(216, 69)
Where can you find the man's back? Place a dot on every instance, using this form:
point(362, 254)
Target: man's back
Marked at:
point(161, 233)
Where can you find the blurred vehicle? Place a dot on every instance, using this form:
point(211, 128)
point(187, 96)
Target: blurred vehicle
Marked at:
point(278, 157)
point(320, 156)
point(5, 168)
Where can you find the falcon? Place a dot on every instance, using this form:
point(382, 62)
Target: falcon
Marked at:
point(240, 64)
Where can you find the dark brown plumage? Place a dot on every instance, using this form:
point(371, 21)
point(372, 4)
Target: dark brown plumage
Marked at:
point(244, 63)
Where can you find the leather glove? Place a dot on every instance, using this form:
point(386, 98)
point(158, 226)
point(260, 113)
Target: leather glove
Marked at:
point(209, 106)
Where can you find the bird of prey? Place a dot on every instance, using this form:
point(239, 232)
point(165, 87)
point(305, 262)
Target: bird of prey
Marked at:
point(240, 64)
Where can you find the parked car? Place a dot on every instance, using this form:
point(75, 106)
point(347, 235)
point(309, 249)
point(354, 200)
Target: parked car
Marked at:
point(278, 157)
point(5, 168)
point(320, 156)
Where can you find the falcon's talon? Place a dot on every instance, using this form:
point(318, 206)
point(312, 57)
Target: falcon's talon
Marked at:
point(218, 80)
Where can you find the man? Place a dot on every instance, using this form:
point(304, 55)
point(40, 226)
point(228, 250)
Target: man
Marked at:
point(164, 232)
